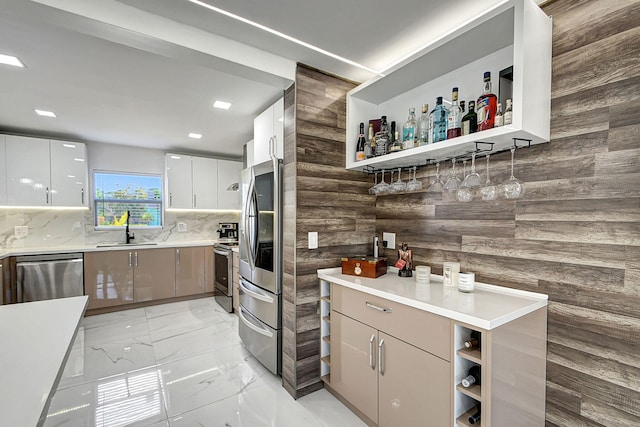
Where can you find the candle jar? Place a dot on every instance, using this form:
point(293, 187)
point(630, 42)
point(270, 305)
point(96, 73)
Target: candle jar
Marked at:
point(450, 272)
point(466, 282)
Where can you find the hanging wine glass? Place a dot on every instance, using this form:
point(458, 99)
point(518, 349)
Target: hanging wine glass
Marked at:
point(437, 185)
point(512, 188)
point(470, 184)
point(414, 184)
point(372, 190)
point(488, 191)
point(453, 182)
point(383, 187)
point(398, 186)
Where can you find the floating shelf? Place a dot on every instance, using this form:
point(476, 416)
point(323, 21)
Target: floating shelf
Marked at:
point(474, 391)
point(463, 420)
point(473, 354)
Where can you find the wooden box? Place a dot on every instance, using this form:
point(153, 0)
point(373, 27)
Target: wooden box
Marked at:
point(364, 266)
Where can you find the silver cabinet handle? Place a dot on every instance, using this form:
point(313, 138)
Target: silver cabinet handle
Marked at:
point(170, 199)
point(129, 259)
point(380, 357)
point(178, 256)
point(195, 201)
point(136, 258)
point(47, 195)
point(372, 363)
point(255, 294)
point(82, 196)
point(377, 307)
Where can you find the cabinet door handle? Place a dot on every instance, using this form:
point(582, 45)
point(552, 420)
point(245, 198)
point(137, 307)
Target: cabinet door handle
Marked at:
point(377, 307)
point(170, 199)
point(82, 196)
point(129, 259)
point(178, 256)
point(372, 363)
point(136, 258)
point(195, 201)
point(381, 357)
point(47, 195)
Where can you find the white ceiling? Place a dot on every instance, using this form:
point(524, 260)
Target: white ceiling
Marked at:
point(146, 72)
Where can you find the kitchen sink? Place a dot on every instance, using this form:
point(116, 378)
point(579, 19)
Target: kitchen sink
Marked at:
point(113, 245)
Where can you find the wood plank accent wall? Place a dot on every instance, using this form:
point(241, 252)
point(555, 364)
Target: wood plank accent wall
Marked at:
point(576, 233)
point(319, 195)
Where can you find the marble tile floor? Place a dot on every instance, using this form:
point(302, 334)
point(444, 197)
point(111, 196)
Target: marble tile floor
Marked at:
point(178, 364)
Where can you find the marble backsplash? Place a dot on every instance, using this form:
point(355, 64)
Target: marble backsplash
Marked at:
point(75, 228)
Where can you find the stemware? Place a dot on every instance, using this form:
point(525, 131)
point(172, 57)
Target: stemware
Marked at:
point(512, 188)
point(470, 184)
point(437, 185)
point(414, 184)
point(488, 191)
point(453, 182)
point(383, 187)
point(398, 186)
point(372, 190)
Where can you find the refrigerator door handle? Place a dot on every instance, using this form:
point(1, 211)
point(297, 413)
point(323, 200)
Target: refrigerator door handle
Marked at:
point(247, 232)
point(250, 325)
point(255, 294)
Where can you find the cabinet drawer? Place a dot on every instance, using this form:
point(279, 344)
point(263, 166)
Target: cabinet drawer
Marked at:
point(424, 330)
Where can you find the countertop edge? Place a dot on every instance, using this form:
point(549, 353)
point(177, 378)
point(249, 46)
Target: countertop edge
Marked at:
point(5, 253)
point(537, 300)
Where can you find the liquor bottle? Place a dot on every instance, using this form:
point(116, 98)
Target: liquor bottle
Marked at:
point(475, 417)
point(370, 147)
point(473, 377)
point(462, 109)
point(360, 144)
point(470, 120)
point(499, 117)
point(473, 341)
point(508, 113)
point(393, 134)
point(409, 130)
point(487, 105)
point(455, 116)
point(382, 138)
point(440, 116)
point(423, 126)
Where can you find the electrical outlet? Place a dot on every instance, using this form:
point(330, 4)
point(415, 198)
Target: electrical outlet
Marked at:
point(313, 240)
point(390, 238)
point(21, 231)
point(182, 227)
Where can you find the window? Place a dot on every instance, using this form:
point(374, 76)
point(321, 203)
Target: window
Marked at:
point(117, 193)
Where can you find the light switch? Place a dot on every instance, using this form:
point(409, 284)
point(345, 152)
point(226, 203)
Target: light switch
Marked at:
point(313, 240)
point(390, 238)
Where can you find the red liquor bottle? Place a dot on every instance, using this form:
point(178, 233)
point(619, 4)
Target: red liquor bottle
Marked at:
point(486, 105)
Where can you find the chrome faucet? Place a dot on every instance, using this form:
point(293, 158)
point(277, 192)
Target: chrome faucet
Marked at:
point(129, 236)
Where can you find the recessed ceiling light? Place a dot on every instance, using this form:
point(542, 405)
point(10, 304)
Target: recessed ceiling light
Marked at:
point(45, 113)
point(222, 105)
point(285, 36)
point(195, 135)
point(11, 60)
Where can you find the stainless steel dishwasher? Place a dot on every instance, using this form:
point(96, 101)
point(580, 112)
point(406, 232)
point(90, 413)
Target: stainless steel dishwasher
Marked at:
point(42, 277)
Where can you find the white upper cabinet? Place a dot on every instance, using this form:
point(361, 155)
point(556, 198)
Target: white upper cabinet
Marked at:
point(268, 133)
point(228, 174)
point(3, 173)
point(516, 33)
point(205, 188)
point(179, 181)
point(28, 171)
point(68, 174)
point(250, 150)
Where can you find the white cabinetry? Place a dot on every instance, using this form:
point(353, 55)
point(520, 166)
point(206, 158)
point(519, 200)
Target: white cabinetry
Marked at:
point(27, 171)
point(249, 150)
point(3, 174)
point(205, 188)
point(179, 181)
point(228, 174)
point(68, 173)
point(516, 33)
point(268, 133)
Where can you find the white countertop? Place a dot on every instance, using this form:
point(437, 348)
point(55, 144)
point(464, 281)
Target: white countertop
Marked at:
point(488, 307)
point(98, 247)
point(35, 340)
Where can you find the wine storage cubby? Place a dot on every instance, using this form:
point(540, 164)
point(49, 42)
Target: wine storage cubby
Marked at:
point(325, 331)
point(468, 344)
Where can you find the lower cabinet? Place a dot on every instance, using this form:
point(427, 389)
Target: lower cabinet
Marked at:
point(209, 269)
point(108, 278)
point(154, 274)
point(391, 382)
point(190, 270)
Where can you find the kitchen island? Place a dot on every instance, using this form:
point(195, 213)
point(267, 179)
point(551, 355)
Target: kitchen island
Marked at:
point(36, 339)
point(396, 351)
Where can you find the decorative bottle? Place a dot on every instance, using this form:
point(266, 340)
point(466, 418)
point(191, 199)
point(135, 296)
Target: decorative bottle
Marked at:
point(360, 145)
point(486, 105)
point(469, 121)
point(455, 116)
point(423, 126)
point(409, 130)
point(440, 116)
point(508, 113)
point(382, 138)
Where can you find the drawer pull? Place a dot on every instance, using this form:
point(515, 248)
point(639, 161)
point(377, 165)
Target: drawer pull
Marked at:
point(381, 357)
point(377, 307)
point(371, 362)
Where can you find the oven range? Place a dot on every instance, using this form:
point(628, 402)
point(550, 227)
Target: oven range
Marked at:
point(223, 284)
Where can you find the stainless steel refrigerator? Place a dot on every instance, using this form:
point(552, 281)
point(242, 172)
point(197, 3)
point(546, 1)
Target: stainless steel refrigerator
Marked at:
point(260, 308)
